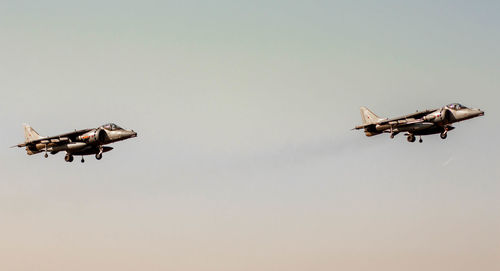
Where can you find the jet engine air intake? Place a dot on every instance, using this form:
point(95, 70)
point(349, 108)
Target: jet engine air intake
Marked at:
point(97, 136)
point(443, 115)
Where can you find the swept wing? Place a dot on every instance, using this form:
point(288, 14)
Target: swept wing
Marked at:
point(403, 120)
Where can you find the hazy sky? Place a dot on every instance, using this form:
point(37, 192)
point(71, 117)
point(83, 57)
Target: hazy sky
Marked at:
point(245, 159)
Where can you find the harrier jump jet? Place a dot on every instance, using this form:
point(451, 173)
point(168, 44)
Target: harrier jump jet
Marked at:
point(428, 122)
point(82, 142)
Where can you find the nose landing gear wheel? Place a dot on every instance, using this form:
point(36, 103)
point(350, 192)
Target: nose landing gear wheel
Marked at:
point(411, 138)
point(420, 140)
point(98, 156)
point(443, 135)
point(83, 161)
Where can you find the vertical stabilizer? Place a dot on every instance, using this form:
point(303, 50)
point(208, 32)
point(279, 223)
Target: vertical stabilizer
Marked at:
point(30, 134)
point(368, 116)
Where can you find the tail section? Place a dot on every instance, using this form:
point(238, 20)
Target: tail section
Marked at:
point(368, 116)
point(30, 134)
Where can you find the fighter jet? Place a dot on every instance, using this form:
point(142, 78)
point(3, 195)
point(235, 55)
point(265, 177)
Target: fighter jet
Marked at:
point(81, 142)
point(427, 122)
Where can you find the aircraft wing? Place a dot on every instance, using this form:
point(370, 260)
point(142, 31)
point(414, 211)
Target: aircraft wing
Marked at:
point(408, 118)
point(399, 121)
point(392, 122)
point(62, 138)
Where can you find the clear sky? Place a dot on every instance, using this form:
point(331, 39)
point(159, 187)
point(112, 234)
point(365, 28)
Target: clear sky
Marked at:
point(245, 159)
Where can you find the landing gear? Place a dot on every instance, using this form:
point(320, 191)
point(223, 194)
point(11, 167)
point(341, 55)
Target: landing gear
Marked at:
point(410, 138)
point(46, 155)
point(68, 158)
point(444, 134)
point(98, 155)
point(420, 140)
point(83, 160)
point(393, 134)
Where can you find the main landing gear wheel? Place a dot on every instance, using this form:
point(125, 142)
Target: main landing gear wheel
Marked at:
point(83, 160)
point(443, 135)
point(68, 158)
point(411, 138)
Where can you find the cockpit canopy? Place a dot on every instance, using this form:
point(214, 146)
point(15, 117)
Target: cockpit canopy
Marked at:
point(111, 127)
point(456, 106)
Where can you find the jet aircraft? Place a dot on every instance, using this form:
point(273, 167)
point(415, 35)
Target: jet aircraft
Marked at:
point(427, 122)
point(81, 142)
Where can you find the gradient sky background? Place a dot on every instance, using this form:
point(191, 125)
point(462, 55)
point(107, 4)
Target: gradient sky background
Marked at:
point(245, 159)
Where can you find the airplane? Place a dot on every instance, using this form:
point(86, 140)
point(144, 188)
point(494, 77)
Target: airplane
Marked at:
point(81, 142)
point(427, 122)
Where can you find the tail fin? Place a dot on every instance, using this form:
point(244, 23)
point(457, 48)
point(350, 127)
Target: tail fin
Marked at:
point(30, 134)
point(368, 116)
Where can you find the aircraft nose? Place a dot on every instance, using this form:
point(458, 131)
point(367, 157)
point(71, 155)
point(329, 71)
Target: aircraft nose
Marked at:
point(134, 134)
point(481, 112)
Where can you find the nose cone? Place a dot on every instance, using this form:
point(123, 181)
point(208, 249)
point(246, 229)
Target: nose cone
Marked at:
point(476, 113)
point(128, 134)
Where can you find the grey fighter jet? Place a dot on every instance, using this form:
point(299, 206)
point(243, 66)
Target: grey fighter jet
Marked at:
point(81, 142)
point(427, 122)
